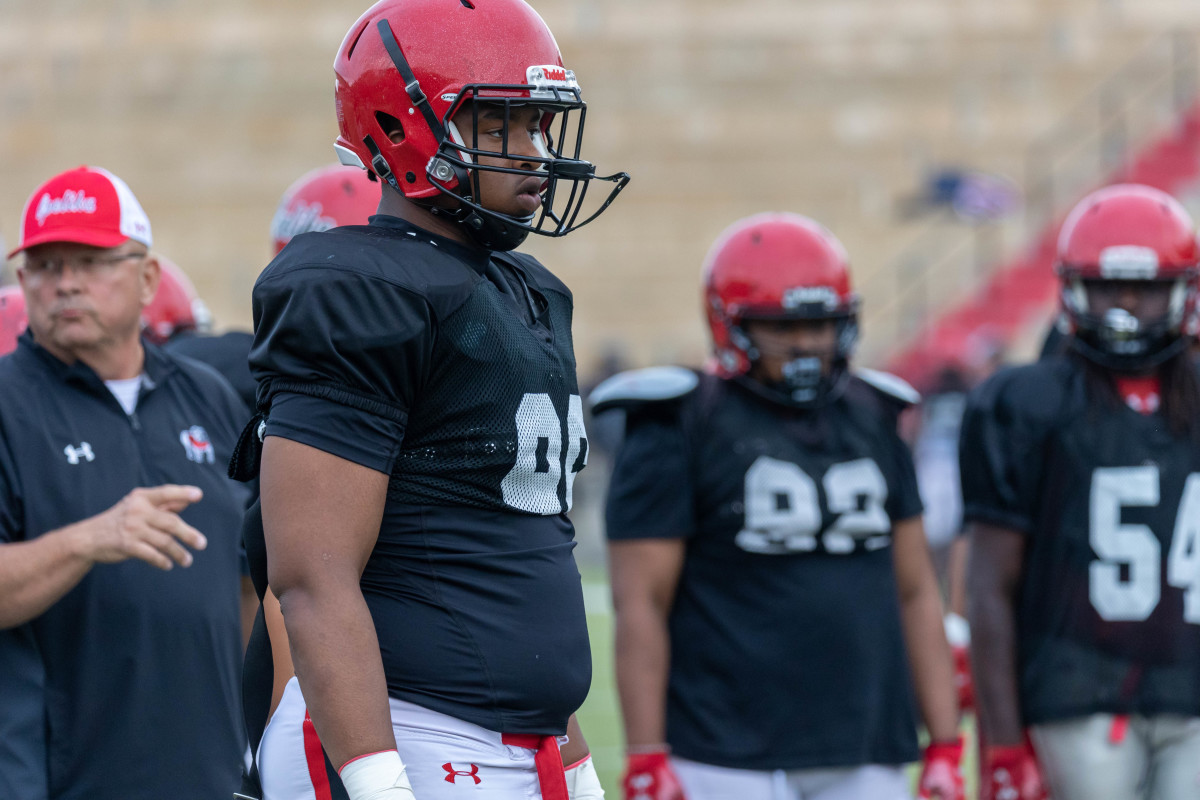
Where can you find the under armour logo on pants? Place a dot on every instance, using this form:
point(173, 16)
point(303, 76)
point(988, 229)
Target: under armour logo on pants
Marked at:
point(472, 773)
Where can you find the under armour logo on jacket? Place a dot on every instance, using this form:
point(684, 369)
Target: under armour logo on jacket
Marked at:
point(84, 451)
point(472, 773)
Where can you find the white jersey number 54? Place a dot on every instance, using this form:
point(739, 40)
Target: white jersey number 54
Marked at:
point(1135, 546)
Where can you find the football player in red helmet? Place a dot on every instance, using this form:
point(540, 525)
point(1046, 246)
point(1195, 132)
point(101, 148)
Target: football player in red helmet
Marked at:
point(437, 124)
point(12, 317)
point(176, 306)
point(421, 425)
point(775, 602)
point(322, 199)
point(1081, 481)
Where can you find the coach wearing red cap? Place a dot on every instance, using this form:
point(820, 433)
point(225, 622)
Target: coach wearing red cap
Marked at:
point(120, 635)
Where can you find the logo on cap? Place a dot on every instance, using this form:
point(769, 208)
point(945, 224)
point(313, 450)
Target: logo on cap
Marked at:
point(71, 202)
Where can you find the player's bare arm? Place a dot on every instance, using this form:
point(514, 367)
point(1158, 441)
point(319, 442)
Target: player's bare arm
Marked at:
point(321, 519)
point(576, 748)
point(924, 633)
point(145, 524)
point(994, 573)
point(645, 574)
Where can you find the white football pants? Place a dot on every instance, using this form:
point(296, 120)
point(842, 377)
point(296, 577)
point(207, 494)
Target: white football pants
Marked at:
point(870, 782)
point(1157, 758)
point(445, 756)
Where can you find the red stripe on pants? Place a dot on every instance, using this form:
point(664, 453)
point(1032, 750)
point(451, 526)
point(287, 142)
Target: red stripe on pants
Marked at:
point(316, 760)
point(546, 758)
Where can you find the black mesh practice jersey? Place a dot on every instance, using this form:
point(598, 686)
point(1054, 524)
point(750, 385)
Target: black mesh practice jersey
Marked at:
point(1109, 607)
point(786, 644)
point(392, 348)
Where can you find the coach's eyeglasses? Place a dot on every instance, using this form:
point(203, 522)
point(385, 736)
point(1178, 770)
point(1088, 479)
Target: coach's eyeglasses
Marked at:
point(88, 265)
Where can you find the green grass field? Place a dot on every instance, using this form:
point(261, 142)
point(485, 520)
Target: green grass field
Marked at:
point(600, 716)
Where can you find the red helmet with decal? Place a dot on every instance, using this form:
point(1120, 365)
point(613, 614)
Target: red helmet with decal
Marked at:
point(775, 266)
point(1128, 232)
point(12, 317)
point(324, 198)
point(407, 66)
point(176, 306)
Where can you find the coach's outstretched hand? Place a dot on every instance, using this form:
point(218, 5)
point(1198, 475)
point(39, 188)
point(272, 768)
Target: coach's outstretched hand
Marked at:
point(145, 524)
point(941, 772)
point(648, 776)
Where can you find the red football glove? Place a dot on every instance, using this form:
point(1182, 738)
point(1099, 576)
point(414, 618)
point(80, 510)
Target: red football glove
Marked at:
point(1010, 773)
point(648, 776)
point(941, 772)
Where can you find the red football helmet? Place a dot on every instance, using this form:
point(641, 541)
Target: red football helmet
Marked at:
point(322, 199)
point(176, 306)
point(12, 317)
point(778, 266)
point(411, 64)
point(1129, 232)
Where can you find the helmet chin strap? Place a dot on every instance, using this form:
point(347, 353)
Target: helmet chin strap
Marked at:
point(491, 230)
point(1127, 364)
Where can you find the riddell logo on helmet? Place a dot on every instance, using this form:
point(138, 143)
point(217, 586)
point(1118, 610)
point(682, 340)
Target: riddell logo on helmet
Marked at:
point(810, 295)
point(72, 202)
point(550, 74)
point(1128, 262)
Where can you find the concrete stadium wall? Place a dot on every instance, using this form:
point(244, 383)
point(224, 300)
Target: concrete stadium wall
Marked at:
point(835, 108)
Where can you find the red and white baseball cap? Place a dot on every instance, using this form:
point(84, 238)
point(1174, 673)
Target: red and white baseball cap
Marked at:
point(87, 205)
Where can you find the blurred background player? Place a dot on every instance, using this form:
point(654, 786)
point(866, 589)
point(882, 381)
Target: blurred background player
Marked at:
point(112, 473)
point(22, 736)
point(415, 527)
point(1081, 480)
point(324, 198)
point(176, 308)
point(179, 319)
point(767, 629)
point(12, 317)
